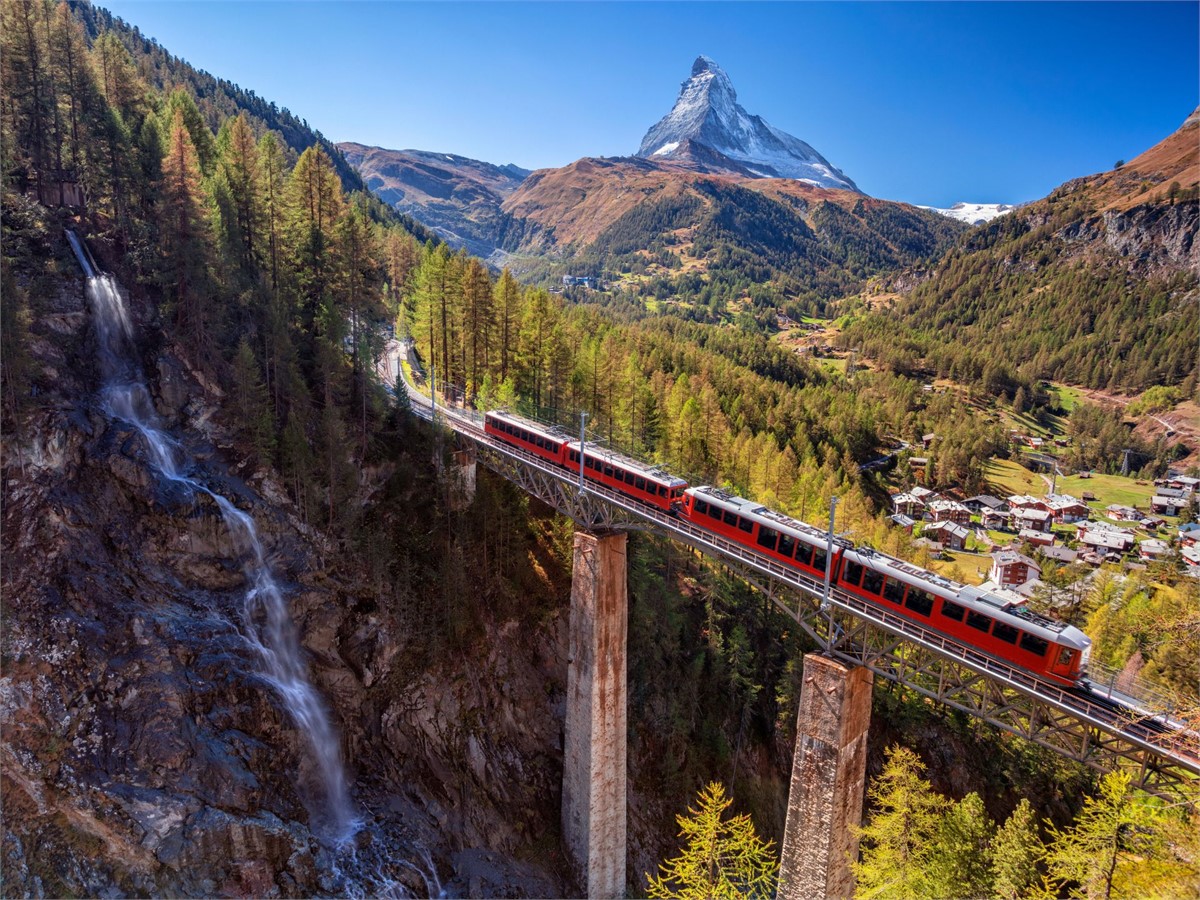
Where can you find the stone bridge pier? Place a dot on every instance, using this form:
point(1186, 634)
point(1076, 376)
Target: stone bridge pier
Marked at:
point(594, 746)
point(828, 781)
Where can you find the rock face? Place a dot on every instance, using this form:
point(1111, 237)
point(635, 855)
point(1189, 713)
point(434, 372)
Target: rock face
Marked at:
point(457, 197)
point(710, 130)
point(143, 751)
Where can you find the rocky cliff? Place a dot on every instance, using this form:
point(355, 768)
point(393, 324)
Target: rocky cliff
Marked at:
point(145, 753)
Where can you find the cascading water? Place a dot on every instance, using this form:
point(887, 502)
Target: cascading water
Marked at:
point(266, 625)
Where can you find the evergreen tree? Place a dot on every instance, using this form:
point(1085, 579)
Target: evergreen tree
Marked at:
point(721, 858)
point(959, 861)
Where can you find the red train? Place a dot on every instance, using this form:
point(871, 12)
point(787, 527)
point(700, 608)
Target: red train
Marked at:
point(969, 615)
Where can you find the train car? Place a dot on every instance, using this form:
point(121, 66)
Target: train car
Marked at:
point(546, 441)
point(762, 530)
point(1009, 632)
point(646, 483)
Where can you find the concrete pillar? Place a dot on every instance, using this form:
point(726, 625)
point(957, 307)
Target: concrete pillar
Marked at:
point(828, 781)
point(593, 804)
point(462, 479)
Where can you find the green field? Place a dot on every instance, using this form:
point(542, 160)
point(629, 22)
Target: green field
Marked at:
point(1109, 489)
point(1008, 477)
point(1068, 397)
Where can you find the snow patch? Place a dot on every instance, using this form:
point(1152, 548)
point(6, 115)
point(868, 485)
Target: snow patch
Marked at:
point(973, 213)
point(668, 147)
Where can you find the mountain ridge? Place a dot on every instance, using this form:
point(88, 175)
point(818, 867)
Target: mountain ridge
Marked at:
point(707, 117)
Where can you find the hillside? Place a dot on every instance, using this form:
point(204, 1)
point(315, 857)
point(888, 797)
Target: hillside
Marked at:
point(1094, 285)
point(459, 198)
point(715, 239)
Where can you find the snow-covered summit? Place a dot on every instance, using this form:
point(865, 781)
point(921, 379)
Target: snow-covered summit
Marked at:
point(707, 114)
point(974, 213)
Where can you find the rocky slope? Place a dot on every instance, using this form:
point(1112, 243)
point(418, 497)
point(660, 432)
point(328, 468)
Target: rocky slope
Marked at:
point(709, 130)
point(145, 753)
point(459, 198)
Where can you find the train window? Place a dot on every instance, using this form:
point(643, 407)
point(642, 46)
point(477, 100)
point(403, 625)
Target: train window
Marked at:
point(803, 553)
point(714, 512)
point(818, 559)
point(918, 601)
point(953, 611)
point(893, 590)
point(978, 621)
point(662, 491)
point(629, 478)
point(767, 537)
point(700, 506)
point(730, 518)
point(1034, 645)
point(852, 574)
point(1004, 632)
point(640, 484)
point(787, 544)
point(872, 582)
point(1064, 656)
point(746, 525)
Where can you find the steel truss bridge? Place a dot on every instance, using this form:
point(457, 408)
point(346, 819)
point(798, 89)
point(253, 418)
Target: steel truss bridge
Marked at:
point(1162, 759)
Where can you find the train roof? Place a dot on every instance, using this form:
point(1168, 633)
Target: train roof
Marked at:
point(551, 431)
point(648, 470)
point(769, 517)
point(973, 598)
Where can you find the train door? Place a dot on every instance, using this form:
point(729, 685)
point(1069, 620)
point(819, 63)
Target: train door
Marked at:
point(1063, 662)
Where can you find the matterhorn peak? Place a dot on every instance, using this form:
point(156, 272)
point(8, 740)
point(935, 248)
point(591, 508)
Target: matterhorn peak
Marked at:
point(709, 129)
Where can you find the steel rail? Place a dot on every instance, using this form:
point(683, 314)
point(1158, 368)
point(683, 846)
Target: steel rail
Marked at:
point(837, 638)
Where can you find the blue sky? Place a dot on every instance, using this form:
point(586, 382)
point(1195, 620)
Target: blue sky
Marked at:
point(928, 103)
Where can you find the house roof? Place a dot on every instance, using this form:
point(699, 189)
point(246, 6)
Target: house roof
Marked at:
point(1061, 554)
point(902, 520)
point(949, 527)
point(986, 500)
point(1107, 540)
point(1012, 557)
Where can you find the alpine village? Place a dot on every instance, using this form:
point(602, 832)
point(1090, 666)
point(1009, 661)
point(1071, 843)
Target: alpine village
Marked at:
point(685, 523)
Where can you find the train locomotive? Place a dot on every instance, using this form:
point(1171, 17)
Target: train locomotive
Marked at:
point(1047, 648)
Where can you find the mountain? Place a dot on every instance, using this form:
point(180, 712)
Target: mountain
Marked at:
point(661, 228)
point(708, 129)
point(1096, 284)
point(974, 213)
point(457, 197)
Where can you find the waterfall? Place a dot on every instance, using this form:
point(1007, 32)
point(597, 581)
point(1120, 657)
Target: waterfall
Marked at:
point(266, 625)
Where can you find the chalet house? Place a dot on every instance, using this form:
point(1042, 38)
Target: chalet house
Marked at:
point(1010, 568)
point(903, 522)
point(1066, 508)
point(1184, 482)
point(1087, 496)
point(948, 534)
point(908, 504)
point(1104, 542)
point(980, 502)
point(1152, 523)
point(1024, 501)
point(1036, 538)
point(1153, 549)
point(1167, 506)
point(1191, 560)
point(1031, 518)
point(927, 439)
point(1189, 534)
point(994, 519)
point(924, 494)
point(949, 511)
point(1122, 513)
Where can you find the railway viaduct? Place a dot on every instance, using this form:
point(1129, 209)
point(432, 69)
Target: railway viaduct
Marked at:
point(859, 641)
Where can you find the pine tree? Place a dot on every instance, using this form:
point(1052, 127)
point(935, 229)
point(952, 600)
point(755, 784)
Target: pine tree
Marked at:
point(959, 861)
point(721, 858)
point(250, 402)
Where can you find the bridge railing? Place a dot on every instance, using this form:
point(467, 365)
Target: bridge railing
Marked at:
point(1097, 714)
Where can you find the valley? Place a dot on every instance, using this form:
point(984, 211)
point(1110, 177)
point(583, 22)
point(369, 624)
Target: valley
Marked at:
point(283, 615)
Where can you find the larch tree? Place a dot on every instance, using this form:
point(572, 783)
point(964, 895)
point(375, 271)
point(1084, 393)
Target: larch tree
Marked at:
point(1016, 850)
point(184, 228)
point(721, 857)
point(895, 842)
